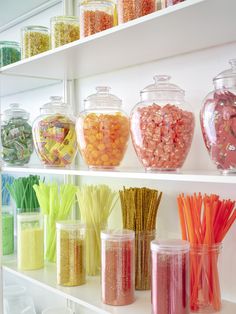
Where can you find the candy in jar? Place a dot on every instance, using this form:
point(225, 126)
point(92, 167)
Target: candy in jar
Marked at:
point(218, 120)
point(162, 126)
point(102, 130)
point(54, 134)
point(7, 232)
point(16, 136)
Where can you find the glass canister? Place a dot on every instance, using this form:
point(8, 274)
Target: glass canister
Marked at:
point(64, 30)
point(118, 267)
point(16, 136)
point(54, 134)
point(218, 120)
point(96, 16)
point(34, 40)
point(70, 253)
point(7, 231)
point(168, 3)
point(170, 277)
point(127, 10)
point(144, 7)
point(30, 241)
point(162, 126)
point(9, 52)
point(102, 130)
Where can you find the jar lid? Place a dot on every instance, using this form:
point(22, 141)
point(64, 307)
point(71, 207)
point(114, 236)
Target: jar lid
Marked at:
point(102, 99)
point(9, 43)
point(35, 28)
point(29, 217)
point(170, 245)
point(117, 235)
point(15, 112)
point(227, 78)
point(70, 225)
point(62, 18)
point(162, 89)
point(56, 105)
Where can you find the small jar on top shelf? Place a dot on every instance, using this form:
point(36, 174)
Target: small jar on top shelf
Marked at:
point(96, 16)
point(218, 120)
point(102, 130)
point(162, 126)
point(54, 134)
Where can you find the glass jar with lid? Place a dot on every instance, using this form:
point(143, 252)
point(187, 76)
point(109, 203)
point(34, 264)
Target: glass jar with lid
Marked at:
point(162, 126)
point(9, 52)
point(16, 136)
point(96, 16)
point(102, 130)
point(218, 120)
point(54, 134)
point(34, 40)
point(64, 29)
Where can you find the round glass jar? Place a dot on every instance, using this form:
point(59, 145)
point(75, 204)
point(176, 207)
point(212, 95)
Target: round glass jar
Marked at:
point(218, 120)
point(96, 16)
point(34, 40)
point(162, 127)
point(54, 134)
point(64, 30)
point(9, 52)
point(102, 130)
point(16, 136)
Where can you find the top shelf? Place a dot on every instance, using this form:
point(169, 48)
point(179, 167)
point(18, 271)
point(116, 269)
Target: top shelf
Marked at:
point(189, 26)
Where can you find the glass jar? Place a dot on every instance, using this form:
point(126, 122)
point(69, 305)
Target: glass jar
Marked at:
point(168, 3)
point(70, 253)
point(9, 52)
point(30, 241)
point(34, 40)
point(170, 277)
point(162, 126)
point(64, 30)
point(118, 267)
point(102, 130)
point(96, 16)
point(144, 7)
point(218, 120)
point(16, 136)
point(7, 231)
point(54, 134)
point(205, 278)
point(127, 10)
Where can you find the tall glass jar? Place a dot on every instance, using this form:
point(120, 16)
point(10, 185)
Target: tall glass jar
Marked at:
point(70, 253)
point(170, 277)
point(127, 10)
point(54, 134)
point(162, 126)
point(96, 16)
point(64, 30)
point(7, 231)
point(16, 136)
point(102, 130)
point(9, 52)
point(30, 241)
point(34, 40)
point(218, 120)
point(118, 267)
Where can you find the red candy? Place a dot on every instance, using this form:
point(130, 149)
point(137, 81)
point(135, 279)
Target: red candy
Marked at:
point(162, 136)
point(218, 122)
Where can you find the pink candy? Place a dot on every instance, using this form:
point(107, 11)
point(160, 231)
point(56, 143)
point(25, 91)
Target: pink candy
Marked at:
point(162, 136)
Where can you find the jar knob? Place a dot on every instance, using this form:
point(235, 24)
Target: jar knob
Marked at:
point(233, 64)
point(161, 78)
point(103, 89)
point(14, 106)
point(56, 98)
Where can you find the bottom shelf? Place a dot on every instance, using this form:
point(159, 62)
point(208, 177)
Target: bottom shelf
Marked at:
point(88, 295)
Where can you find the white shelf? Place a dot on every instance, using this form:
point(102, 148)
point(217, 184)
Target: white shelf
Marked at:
point(89, 295)
point(184, 176)
point(155, 36)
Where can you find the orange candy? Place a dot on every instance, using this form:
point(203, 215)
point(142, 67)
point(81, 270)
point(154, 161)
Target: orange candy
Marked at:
point(103, 139)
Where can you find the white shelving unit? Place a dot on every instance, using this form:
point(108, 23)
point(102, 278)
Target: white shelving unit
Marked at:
point(213, 24)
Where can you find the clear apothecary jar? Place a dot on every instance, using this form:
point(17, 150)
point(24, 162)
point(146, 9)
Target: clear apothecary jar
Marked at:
point(162, 126)
point(9, 52)
point(102, 130)
point(96, 16)
point(218, 120)
point(64, 30)
point(16, 136)
point(71, 253)
point(34, 40)
point(54, 134)
point(30, 241)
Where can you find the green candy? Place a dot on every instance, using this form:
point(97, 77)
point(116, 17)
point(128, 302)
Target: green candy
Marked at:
point(8, 53)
